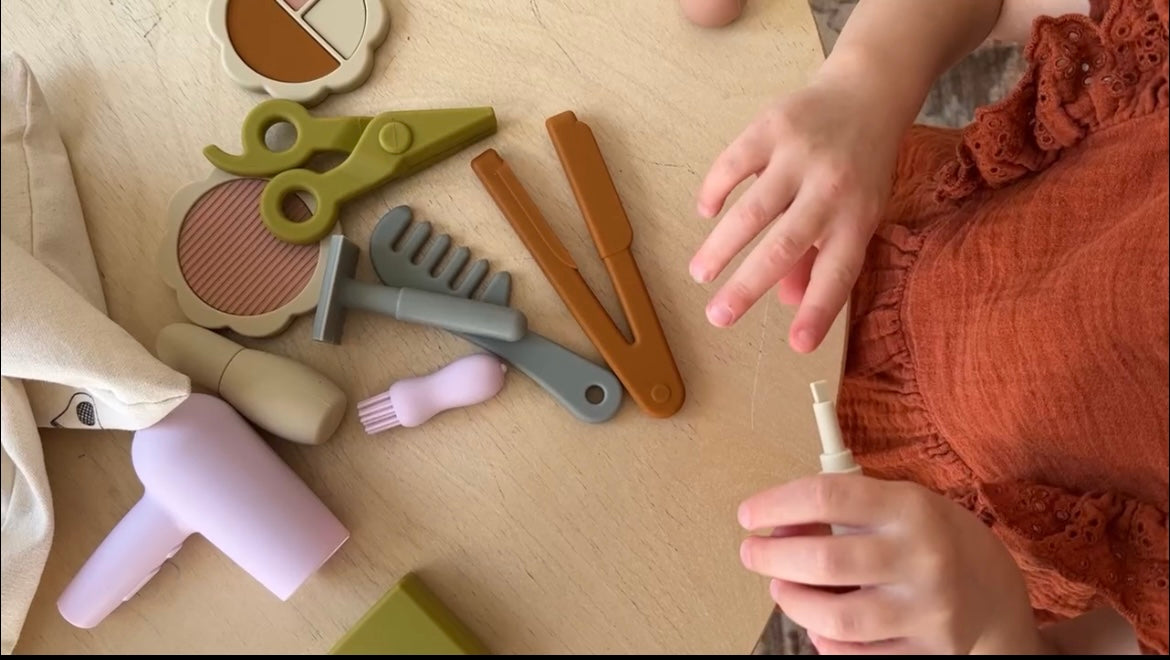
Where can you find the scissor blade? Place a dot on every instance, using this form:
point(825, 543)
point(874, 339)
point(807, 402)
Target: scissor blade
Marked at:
point(436, 134)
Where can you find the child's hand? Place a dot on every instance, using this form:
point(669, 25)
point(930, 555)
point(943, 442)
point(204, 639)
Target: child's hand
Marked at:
point(930, 577)
point(823, 158)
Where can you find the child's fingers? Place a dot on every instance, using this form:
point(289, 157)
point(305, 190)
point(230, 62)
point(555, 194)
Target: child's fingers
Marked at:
point(759, 206)
point(770, 261)
point(860, 615)
point(900, 646)
point(824, 561)
point(854, 501)
point(791, 289)
point(830, 283)
point(800, 530)
point(745, 156)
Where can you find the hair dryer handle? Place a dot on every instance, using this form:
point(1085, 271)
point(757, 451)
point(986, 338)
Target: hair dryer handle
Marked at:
point(125, 561)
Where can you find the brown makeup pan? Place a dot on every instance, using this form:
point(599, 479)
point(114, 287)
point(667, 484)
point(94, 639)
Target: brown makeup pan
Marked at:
point(301, 50)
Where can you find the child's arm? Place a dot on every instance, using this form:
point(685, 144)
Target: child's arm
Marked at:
point(1015, 20)
point(904, 45)
point(1100, 632)
point(823, 159)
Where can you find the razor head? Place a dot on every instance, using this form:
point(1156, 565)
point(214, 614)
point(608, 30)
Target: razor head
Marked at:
point(339, 270)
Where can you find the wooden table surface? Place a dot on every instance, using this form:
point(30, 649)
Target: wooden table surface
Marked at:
point(542, 533)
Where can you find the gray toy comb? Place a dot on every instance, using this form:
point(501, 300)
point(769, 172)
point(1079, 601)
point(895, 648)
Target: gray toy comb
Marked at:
point(592, 393)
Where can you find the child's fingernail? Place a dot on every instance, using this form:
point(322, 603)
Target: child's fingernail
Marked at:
point(700, 274)
point(803, 340)
point(741, 514)
point(705, 210)
point(774, 589)
point(745, 556)
point(720, 315)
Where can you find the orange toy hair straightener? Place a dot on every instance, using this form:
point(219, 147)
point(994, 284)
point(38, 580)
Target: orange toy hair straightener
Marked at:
point(645, 366)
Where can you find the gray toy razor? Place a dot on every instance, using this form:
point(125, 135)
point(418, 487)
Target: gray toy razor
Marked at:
point(592, 393)
point(339, 291)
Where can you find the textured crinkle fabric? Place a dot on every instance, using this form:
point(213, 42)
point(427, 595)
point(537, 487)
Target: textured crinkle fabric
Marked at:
point(1009, 338)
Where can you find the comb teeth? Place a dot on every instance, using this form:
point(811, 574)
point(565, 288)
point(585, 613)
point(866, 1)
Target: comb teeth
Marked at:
point(411, 266)
point(391, 226)
point(377, 413)
point(416, 239)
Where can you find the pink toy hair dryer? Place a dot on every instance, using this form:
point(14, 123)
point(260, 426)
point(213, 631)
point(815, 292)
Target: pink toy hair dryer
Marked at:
point(206, 471)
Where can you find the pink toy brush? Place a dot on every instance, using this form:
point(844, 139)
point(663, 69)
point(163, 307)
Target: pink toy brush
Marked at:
point(412, 401)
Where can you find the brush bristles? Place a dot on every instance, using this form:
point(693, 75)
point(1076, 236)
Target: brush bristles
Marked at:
point(377, 413)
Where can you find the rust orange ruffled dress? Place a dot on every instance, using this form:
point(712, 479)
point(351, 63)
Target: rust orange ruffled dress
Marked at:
point(1009, 337)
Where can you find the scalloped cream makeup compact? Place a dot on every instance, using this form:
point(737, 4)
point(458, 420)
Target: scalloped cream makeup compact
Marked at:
point(227, 269)
point(301, 50)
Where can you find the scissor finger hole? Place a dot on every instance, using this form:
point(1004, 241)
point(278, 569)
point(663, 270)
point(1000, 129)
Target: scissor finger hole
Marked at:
point(280, 136)
point(298, 198)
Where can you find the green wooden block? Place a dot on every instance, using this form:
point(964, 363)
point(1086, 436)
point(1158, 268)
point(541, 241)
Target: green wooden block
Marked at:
point(409, 620)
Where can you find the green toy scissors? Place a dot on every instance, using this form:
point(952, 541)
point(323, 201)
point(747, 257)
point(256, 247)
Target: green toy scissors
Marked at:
point(382, 148)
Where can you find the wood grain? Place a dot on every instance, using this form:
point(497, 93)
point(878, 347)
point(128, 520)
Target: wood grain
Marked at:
point(543, 534)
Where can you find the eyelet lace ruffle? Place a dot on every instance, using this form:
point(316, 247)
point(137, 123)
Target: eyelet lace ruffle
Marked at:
point(1083, 76)
point(1082, 552)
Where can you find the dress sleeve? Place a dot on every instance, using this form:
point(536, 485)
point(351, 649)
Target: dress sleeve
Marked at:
point(1084, 73)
